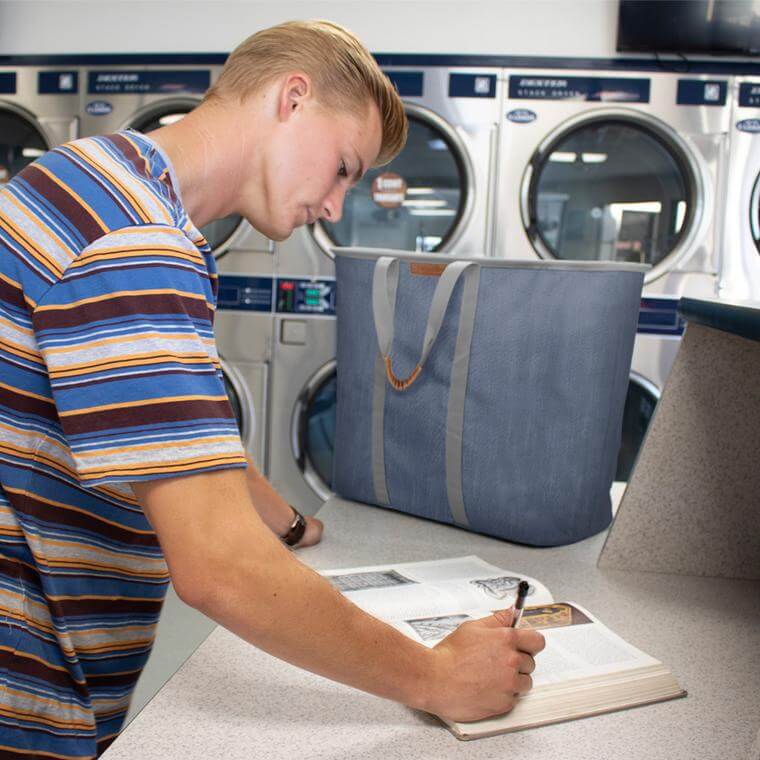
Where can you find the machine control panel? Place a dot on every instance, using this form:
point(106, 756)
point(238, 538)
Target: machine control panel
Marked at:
point(659, 316)
point(472, 85)
point(699, 92)
point(306, 296)
point(7, 83)
point(410, 84)
point(245, 293)
point(57, 82)
point(749, 94)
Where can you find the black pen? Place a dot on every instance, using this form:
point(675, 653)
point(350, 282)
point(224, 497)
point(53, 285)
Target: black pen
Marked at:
point(522, 592)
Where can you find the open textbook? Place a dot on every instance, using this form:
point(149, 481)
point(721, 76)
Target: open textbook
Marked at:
point(585, 669)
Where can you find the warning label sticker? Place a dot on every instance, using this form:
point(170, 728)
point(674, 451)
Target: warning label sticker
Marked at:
point(389, 190)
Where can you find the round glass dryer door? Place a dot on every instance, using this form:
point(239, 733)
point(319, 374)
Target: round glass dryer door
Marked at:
point(21, 141)
point(639, 407)
point(219, 232)
point(754, 213)
point(314, 430)
point(241, 408)
point(415, 203)
point(611, 189)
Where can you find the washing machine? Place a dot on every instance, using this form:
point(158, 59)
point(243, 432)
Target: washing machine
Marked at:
point(619, 166)
point(243, 329)
point(146, 96)
point(39, 109)
point(740, 261)
point(435, 196)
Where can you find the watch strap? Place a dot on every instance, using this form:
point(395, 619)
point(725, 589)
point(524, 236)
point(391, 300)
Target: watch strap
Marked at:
point(296, 530)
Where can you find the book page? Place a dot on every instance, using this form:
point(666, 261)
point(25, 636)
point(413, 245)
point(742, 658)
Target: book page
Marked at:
point(428, 600)
point(585, 669)
point(578, 646)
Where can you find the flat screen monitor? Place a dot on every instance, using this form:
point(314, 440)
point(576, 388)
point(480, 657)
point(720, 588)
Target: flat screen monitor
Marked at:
point(717, 27)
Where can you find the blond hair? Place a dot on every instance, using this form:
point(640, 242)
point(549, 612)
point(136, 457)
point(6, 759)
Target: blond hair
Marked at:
point(345, 75)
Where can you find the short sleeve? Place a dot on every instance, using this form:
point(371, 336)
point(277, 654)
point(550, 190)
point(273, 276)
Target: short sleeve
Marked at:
point(127, 336)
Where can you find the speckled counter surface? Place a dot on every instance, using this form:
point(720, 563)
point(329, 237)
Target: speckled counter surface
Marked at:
point(232, 701)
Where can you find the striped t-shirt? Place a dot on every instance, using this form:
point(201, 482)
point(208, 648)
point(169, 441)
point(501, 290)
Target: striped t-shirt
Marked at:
point(108, 374)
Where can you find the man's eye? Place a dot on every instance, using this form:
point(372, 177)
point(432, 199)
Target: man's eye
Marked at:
point(342, 171)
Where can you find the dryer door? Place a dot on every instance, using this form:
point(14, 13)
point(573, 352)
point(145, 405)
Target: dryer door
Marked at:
point(754, 213)
point(22, 140)
point(640, 403)
point(313, 432)
point(241, 402)
point(418, 202)
point(220, 232)
point(613, 188)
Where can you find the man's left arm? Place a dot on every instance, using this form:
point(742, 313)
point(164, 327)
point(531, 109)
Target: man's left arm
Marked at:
point(275, 511)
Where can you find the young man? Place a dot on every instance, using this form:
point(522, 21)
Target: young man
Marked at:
point(119, 452)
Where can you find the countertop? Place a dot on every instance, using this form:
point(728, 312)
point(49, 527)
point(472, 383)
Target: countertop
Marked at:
point(230, 700)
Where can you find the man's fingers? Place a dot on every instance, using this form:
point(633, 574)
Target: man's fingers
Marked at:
point(527, 664)
point(501, 618)
point(529, 641)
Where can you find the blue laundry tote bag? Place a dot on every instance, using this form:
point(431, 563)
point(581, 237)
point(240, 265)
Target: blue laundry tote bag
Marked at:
point(482, 392)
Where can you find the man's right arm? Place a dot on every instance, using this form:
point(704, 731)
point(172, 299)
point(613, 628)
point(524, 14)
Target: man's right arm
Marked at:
point(225, 562)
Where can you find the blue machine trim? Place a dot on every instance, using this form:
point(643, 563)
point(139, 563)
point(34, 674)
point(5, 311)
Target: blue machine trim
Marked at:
point(120, 82)
point(245, 293)
point(296, 295)
point(677, 65)
point(409, 84)
point(284, 295)
point(472, 86)
point(58, 82)
point(8, 83)
point(749, 94)
point(659, 316)
point(607, 89)
point(729, 317)
point(700, 92)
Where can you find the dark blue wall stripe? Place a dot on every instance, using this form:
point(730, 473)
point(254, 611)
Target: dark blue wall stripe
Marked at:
point(674, 65)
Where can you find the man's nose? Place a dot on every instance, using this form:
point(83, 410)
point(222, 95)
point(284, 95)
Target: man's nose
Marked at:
point(332, 208)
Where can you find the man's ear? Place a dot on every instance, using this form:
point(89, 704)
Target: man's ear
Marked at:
point(296, 89)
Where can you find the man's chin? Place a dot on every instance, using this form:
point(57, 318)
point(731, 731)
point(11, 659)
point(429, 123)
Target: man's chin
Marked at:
point(279, 236)
point(273, 233)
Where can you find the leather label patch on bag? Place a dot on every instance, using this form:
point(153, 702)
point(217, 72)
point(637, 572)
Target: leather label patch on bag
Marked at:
point(427, 270)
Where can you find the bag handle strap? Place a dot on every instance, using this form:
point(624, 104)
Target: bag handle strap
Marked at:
point(384, 284)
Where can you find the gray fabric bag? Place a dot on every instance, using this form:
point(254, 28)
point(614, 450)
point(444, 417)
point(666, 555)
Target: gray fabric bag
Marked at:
point(483, 392)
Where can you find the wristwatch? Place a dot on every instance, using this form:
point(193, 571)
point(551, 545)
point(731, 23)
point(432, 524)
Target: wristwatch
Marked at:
point(296, 530)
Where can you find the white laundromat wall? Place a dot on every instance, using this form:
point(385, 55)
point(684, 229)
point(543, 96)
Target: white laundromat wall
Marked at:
point(584, 28)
